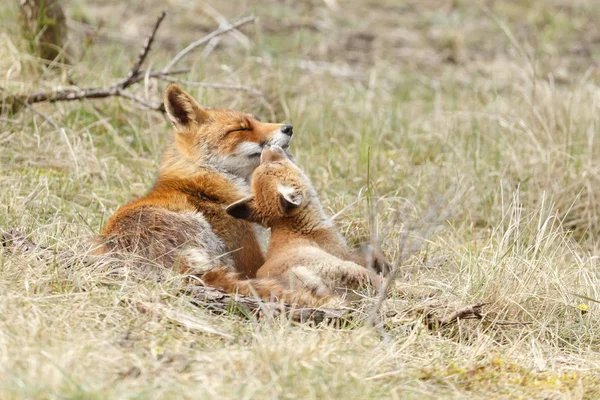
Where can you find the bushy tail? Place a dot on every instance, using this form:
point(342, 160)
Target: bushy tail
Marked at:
point(268, 289)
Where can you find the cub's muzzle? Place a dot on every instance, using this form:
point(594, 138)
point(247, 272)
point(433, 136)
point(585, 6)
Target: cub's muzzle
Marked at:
point(272, 154)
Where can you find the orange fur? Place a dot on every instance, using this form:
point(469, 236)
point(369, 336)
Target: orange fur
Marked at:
point(305, 246)
point(181, 222)
point(272, 289)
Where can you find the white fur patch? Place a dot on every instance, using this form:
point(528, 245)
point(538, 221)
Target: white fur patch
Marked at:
point(304, 277)
point(198, 259)
point(244, 161)
point(240, 166)
point(287, 192)
point(209, 252)
point(239, 163)
point(262, 235)
point(248, 148)
point(280, 139)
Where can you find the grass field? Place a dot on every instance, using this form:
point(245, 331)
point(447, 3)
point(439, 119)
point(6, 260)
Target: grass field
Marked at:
point(467, 131)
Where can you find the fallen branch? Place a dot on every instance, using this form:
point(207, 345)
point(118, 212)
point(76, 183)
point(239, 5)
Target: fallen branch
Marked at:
point(17, 241)
point(135, 75)
point(75, 93)
point(434, 322)
point(220, 302)
point(467, 312)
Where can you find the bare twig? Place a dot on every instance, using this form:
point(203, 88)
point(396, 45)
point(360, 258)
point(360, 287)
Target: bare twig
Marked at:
point(71, 94)
point(128, 80)
point(220, 302)
point(206, 39)
point(472, 311)
point(511, 323)
point(16, 240)
point(222, 21)
point(135, 75)
point(139, 100)
point(434, 321)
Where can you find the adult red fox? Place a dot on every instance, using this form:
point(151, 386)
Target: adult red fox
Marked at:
point(181, 222)
point(305, 247)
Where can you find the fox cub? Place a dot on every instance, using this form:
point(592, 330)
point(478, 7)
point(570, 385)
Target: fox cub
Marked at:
point(305, 247)
point(181, 222)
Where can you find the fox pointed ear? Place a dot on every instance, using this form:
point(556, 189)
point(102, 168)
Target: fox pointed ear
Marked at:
point(182, 109)
point(243, 209)
point(289, 197)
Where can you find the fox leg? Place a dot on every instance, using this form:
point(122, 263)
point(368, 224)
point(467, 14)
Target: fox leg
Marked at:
point(269, 289)
point(343, 276)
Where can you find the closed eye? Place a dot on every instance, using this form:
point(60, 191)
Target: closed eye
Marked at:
point(239, 130)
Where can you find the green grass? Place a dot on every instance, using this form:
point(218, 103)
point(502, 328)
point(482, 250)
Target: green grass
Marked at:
point(414, 101)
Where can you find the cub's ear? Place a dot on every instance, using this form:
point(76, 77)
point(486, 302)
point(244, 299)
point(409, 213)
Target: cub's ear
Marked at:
point(182, 109)
point(243, 209)
point(289, 197)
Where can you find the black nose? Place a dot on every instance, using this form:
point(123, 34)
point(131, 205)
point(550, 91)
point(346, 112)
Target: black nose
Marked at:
point(287, 130)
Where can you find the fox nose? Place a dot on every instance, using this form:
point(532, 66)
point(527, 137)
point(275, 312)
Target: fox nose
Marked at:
point(287, 130)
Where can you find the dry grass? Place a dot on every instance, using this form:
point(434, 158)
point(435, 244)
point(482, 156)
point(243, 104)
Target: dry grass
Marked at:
point(395, 106)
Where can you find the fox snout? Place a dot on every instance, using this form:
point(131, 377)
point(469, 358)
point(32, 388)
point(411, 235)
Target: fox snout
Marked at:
point(283, 136)
point(287, 129)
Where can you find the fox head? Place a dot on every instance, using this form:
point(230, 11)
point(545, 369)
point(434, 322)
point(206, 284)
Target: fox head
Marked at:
point(281, 194)
point(221, 138)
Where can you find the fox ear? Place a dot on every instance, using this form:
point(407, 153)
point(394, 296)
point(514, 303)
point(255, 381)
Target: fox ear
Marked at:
point(243, 209)
point(182, 109)
point(289, 197)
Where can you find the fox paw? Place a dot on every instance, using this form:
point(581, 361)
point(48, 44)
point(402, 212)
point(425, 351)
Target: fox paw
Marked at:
point(371, 257)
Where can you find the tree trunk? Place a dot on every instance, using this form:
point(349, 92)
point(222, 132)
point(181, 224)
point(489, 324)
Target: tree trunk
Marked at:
point(44, 25)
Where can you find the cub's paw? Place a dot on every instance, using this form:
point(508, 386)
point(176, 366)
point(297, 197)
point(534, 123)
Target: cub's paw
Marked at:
point(371, 257)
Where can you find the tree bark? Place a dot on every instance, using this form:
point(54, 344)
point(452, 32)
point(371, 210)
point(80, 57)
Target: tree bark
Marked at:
point(45, 27)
